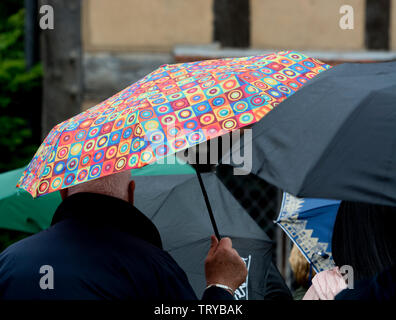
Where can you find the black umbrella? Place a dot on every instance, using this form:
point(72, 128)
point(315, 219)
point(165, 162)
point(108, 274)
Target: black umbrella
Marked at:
point(334, 138)
point(175, 205)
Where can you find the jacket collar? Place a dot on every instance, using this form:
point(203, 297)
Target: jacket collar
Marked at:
point(105, 210)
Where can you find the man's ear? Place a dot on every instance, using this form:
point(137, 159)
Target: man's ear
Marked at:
point(63, 193)
point(131, 191)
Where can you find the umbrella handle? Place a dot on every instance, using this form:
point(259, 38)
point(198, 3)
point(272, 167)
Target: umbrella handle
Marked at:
point(205, 195)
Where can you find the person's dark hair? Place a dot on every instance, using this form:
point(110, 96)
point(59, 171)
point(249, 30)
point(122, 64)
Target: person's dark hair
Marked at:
point(364, 237)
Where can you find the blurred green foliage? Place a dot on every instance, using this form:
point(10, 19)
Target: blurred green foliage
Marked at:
point(20, 92)
point(7, 8)
point(20, 100)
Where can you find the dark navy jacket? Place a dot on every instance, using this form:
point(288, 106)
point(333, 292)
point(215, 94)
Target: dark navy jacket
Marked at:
point(381, 287)
point(99, 247)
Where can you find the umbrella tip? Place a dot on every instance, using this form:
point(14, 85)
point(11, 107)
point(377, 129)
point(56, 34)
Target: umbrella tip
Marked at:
point(322, 254)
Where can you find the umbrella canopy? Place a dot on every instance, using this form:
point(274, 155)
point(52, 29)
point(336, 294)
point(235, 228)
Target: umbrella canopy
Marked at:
point(171, 109)
point(309, 224)
point(335, 138)
point(175, 205)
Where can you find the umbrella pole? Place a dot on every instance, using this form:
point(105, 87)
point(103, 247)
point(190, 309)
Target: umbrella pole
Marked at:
point(205, 195)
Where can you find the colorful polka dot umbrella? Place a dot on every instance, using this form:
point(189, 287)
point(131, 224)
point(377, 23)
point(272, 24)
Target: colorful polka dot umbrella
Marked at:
point(171, 109)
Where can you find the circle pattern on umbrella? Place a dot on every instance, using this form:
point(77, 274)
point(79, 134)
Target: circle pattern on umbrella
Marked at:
point(173, 108)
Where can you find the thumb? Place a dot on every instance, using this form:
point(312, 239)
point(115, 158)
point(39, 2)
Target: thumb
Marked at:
point(213, 245)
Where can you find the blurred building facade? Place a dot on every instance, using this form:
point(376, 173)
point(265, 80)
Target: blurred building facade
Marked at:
point(159, 25)
point(125, 39)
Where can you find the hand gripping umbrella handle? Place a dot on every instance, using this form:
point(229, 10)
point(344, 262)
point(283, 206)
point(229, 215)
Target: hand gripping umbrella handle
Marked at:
point(205, 195)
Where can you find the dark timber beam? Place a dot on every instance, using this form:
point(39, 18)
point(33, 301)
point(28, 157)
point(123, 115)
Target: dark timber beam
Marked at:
point(377, 24)
point(232, 22)
point(31, 33)
point(62, 64)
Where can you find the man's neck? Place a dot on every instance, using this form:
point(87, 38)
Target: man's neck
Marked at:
point(97, 209)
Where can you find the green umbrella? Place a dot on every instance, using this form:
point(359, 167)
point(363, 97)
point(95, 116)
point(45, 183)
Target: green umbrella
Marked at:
point(20, 212)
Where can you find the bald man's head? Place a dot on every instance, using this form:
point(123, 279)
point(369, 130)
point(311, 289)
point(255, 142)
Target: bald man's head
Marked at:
point(117, 185)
